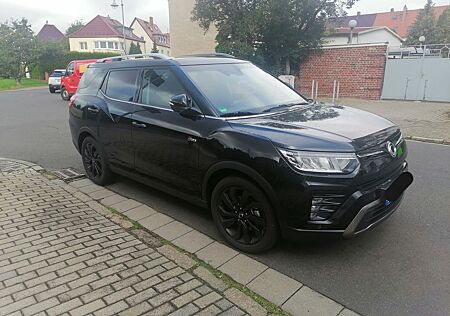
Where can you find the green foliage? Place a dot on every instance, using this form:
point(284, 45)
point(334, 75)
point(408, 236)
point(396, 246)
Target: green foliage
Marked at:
point(425, 25)
point(443, 28)
point(11, 84)
point(155, 49)
point(75, 26)
point(135, 49)
point(275, 34)
point(18, 49)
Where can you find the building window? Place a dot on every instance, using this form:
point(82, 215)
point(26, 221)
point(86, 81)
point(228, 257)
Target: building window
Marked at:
point(107, 45)
point(83, 45)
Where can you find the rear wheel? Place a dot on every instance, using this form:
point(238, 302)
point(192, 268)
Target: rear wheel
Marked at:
point(95, 163)
point(65, 95)
point(244, 215)
point(52, 90)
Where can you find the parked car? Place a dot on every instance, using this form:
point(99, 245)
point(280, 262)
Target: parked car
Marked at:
point(224, 134)
point(72, 76)
point(54, 80)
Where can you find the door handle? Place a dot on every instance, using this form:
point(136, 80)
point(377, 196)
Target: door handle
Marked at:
point(191, 140)
point(140, 125)
point(93, 110)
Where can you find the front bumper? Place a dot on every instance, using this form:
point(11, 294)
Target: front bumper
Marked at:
point(362, 211)
point(55, 86)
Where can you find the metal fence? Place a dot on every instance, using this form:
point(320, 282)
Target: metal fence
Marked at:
point(419, 51)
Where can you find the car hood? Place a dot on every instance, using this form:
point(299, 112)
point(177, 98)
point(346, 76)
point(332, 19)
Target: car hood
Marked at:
point(319, 127)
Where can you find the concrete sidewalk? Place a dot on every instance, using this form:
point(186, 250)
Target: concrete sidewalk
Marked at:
point(64, 253)
point(417, 119)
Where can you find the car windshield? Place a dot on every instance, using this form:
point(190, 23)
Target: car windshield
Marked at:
point(241, 89)
point(56, 74)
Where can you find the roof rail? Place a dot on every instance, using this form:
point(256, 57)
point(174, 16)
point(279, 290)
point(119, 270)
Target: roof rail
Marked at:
point(133, 57)
point(217, 55)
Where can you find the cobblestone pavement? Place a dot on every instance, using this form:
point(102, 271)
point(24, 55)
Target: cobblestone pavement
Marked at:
point(418, 119)
point(59, 256)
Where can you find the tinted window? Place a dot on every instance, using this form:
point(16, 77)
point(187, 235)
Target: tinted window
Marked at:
point(56, 74)
point(91, 81)
point(158, 87)
point(122, 85)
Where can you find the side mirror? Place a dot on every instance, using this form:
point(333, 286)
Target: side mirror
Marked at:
point(180, 103)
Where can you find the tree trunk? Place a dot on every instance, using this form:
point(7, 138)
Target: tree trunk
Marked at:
point(18, 80)
point(288, 66)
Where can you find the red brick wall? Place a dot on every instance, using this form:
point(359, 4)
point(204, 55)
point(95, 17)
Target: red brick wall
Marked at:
point(360, 70)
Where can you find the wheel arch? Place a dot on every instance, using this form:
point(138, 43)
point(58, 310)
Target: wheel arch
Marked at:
point(82, 136)
point(224, 169)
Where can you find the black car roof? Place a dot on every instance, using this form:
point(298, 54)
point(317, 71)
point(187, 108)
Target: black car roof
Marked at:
point(182, 61)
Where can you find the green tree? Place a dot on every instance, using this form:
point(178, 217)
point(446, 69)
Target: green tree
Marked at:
point(75, 26)
point(443, 28)
point(425, 25)
point(275, 34)
point(18, 49)
point(135, 49)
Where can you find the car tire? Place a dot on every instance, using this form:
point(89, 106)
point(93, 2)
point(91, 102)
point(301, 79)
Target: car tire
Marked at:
point(244, 215)
point(52, 90)
point(95, 162)
point(65, 95)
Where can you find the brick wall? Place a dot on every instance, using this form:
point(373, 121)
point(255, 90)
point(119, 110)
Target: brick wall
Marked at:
point(360, 70)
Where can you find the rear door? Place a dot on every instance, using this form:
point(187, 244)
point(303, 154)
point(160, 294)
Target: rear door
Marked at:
point(165, 143)
point(119, 93)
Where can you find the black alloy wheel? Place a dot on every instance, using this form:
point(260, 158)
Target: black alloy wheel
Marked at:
point(94, 162)
point(244, 215)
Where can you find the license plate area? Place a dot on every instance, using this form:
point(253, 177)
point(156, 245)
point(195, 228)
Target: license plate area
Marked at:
point(397, 187)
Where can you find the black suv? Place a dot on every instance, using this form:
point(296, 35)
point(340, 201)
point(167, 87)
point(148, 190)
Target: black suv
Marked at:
point(222, 133)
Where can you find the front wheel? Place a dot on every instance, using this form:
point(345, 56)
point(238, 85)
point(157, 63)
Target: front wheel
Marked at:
point(244, 215)
point(94, 162)
point(65, 95)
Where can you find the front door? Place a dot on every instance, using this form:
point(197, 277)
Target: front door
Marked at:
point(164, 141)
point(116, 120)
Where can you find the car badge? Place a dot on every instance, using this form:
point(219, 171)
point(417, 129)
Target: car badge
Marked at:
point(392, 150)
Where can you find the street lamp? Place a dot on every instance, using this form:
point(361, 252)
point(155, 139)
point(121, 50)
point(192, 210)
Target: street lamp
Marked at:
point(422, 46)
point(114, 5)
point(352, 24)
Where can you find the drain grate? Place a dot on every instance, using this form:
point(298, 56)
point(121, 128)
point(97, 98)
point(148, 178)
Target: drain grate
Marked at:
point(68, 174)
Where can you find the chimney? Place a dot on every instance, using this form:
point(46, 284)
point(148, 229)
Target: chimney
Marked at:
point(392, 9)
point(405, 11)
point(358, 13)
point(46, 22)
point(151, 20)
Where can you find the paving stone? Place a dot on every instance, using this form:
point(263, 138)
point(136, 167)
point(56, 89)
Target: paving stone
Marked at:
point(234, 311)
point(155, 221)
point(139, 212)
point(137, 310)
point(274, 286)
point(162, 310)
point(347, 312)
point(186, 298)
point(210, 310)
point(101, 194)
point(113, 199)
point(88, 308)
point(208, 299)
point(216, 254)
point(112, 309)
point(90, 188)
point(186, 310)
point(193, 241)
point(125, 205)
point(245, 302)
point(39, 307)
point(210, 278)
point(172, 230)
point(243, 269)
point(64, 307)
point(175, 255)
point(308, 301)
point(81, 183)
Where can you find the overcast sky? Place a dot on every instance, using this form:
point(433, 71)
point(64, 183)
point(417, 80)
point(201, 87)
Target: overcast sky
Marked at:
point(63, 12)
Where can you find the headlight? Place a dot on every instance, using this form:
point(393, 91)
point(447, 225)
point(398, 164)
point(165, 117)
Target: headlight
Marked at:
point(337, 163)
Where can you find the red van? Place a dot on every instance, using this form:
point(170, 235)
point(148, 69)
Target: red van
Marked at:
point(74, 71)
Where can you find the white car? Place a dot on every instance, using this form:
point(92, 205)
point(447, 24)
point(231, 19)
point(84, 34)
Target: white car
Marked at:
point(54, 81)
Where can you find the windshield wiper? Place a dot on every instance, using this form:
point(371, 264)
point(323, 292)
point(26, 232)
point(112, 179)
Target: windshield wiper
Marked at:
point(287, 105)
point(238, 113)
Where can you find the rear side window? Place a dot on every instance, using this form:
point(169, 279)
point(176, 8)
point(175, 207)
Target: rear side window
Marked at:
point(91, 81)
point(158, 87)
point(122, 84)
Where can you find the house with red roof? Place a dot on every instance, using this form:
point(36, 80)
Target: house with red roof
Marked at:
point(103, 34)
point(155, 39)
point(49, 33)
point(363, 35)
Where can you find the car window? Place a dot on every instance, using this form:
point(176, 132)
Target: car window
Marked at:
point(91, 81)
point(122, 84)
point(70, 69)
point(159, 86)
point(56, 74)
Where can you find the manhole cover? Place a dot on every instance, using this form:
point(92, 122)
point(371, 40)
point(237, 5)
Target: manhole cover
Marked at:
point(68, 174)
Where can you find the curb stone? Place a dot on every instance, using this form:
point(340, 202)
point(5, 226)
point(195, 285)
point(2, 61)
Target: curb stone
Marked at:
point(428, 140)
point(206, 248)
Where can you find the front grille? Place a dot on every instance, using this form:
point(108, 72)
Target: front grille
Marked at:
point(376, 214)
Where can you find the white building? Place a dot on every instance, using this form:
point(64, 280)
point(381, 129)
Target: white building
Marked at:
point(363, 35)
point(155, 39)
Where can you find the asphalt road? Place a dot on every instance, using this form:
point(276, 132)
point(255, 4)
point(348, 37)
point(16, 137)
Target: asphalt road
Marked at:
point(400, 268)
